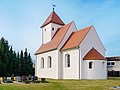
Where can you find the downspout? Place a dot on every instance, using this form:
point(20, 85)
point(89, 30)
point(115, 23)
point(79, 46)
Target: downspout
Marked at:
point(80, 63)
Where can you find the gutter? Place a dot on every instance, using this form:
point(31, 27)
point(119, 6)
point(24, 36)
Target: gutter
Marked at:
point(80, 63)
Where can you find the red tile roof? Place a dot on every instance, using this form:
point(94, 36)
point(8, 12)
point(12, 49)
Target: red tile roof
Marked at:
point(56, 40)
point(93, 54)
point(54, 18)
point(76, 38)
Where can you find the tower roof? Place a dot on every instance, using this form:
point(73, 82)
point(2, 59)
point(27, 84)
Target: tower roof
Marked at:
point(54, 18)
point(93, 54)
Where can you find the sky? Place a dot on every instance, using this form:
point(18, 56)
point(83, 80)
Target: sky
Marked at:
point(20, 21)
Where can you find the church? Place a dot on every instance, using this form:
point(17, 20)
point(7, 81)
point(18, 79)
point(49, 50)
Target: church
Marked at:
point(69, 53)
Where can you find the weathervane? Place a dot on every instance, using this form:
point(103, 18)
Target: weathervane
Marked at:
point(53, 6)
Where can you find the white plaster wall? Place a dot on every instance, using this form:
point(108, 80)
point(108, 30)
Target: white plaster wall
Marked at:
point(98, 72)
point(36, 69)
point(46, 34)
point(69, 32)
point(110, 68)
point(55, 26)
point(60, 65)
point(48, 72)
point(116, 67)
point(49, 33)
point(91, 40)
point(71, 72)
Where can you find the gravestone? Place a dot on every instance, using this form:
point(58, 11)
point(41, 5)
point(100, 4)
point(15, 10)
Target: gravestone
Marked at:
point(8, 78)
point(1, 80)
point(18, 78)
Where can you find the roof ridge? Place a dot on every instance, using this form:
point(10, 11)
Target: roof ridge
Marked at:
point(52, 15)
point(86, 33)
point(54, 18)
point(60, 28)
point(84, 28)
point(67, 40)
point(66, 31)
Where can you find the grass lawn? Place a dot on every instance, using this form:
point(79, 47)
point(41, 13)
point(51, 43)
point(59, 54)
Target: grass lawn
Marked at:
point(65, 85)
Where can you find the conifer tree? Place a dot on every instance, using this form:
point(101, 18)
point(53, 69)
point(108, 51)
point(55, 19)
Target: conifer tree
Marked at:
point(12, 63)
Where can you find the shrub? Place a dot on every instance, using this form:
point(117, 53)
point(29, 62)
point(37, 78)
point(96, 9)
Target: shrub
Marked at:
point(27, 82)
point(8, 81)
point(37, 81)
point(43, 80)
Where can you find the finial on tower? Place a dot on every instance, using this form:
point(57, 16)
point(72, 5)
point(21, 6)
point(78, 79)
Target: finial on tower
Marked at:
point(53, 6)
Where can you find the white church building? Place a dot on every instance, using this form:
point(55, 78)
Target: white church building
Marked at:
point(69, 53)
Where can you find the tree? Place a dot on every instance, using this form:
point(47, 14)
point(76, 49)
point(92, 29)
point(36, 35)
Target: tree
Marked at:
point(21, 62)
point(30, 66)
point(12, 63)
point(4, 59)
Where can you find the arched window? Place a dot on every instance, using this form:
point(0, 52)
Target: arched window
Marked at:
point(90, 65)
point(42, 62)
point(49, 62)
point(67, 60)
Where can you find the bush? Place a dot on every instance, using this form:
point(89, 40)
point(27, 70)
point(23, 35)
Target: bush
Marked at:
point(35, 78)
point(27, 82)
point(43, 80)
point(8, 81)
point(37, 81)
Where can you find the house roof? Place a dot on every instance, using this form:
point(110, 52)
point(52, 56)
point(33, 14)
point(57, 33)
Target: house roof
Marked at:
point(114, 58)
point(93, 54)
point(56, 40)
point(76, 38)
point(54, 18)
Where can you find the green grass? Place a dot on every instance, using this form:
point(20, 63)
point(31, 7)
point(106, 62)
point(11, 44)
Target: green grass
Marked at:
point(65, 85)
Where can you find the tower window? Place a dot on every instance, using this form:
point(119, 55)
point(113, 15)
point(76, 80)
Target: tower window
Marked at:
point(52, 29)
point(45, 29)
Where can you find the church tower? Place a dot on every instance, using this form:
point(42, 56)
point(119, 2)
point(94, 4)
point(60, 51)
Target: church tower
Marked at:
point(50, 26)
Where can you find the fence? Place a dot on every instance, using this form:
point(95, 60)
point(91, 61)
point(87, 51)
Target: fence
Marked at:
point(113, 73)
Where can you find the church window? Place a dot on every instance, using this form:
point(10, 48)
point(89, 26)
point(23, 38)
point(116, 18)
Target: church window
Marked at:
point(49, 62)
point(42, 62)
point(90, 65)
point(67, 60)
point(45, 29)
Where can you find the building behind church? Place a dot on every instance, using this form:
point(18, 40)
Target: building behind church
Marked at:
point(69, 53)
point(113, 66)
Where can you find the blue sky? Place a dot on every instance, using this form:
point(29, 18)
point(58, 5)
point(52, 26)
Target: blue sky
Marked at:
point(20, 20)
